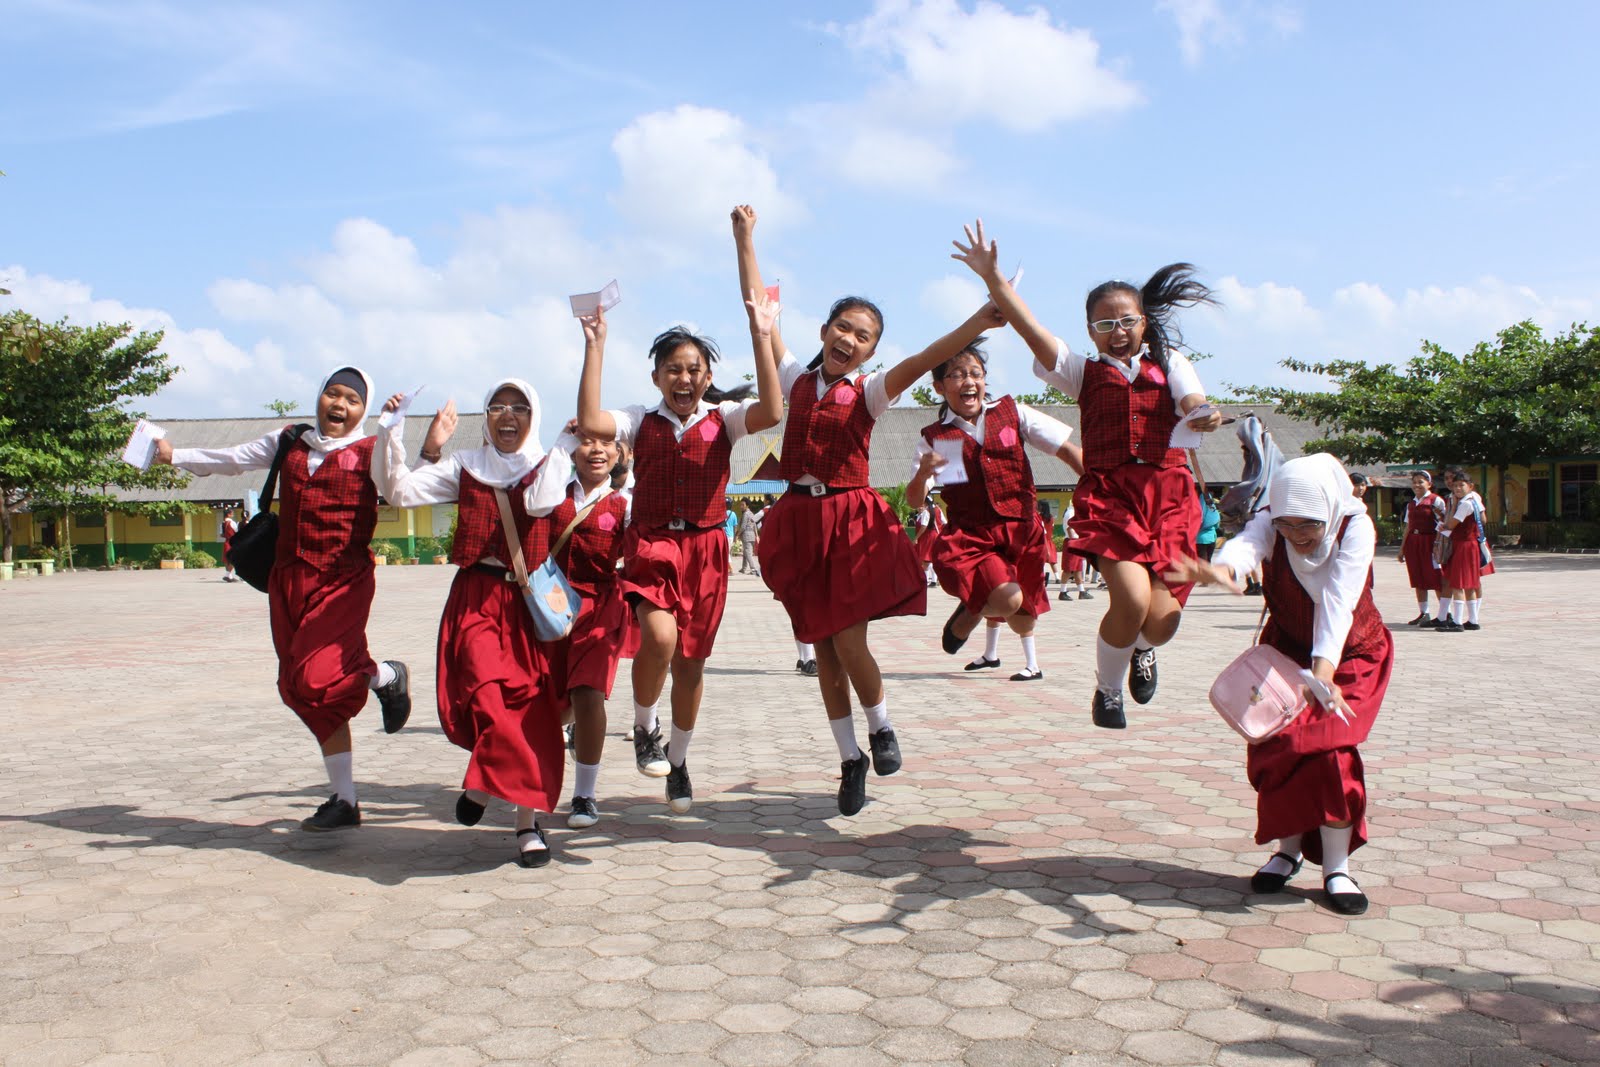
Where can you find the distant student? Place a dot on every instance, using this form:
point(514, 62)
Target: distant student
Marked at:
point(1205, 542)
point(749, 524)
point(1052, 558)
point(1424, 516)
point(1077, 563)
point(230, 526)
point(321, 587)
point(1462, 573)
point(930, 524)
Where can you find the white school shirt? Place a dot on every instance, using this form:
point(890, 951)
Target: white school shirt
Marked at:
point(1334, 587)
point(1038, 429)
point(874, 393)
point(440, 483)
point(734, 414)
point(251, 456)
point(1067, 374)
point(1466, 509)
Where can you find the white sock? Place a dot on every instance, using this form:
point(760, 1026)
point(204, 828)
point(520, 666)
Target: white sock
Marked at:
point(1422, 604)
point(384, 676)
point(583, 784)
point(844, 735)
point(806, 652)
point(991, 641)
point(1336, 852)
point(1289, 846)
point(1472, 611)
point(1142, 644)
point(878, 716)
point(1029, 654)
point(644, 716)
point(1458, 611)
point(526, 817)
point(678, 746)
point(1444, 610)
point(1111, 665)
point(342, 775)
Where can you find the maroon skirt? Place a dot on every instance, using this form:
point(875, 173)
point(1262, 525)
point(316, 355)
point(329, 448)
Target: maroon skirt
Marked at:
point(1463, 570)
point(1138, 513)
point(972, 564)
point(1420, 571)
point(319, 630)
point(684, 572)
point(588, 657)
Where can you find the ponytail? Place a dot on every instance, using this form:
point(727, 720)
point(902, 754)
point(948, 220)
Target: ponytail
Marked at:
point(1169, 288)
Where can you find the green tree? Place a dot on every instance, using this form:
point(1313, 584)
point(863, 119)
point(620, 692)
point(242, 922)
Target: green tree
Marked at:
point(281, 408)
point(1517, 399)
point(65, 417)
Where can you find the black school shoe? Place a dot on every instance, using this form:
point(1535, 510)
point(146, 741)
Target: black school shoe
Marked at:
point(885, 752)
point(1028, 674)
point(1263, 881)
point(648, 754)
point(533, 857)
point(1086, 595)
point(1471, 626)
point(1107, 711)
point(982, 663)
point(584, 813)
point(807, 667)
point(395, 698)
point(1065, 594)
point(1142, 675)
point(334, 814)
point(853, 785)
point(1420, 620)
point(468, 811)
point(1344, 903)
point(1449, 626)
point(952, 644)
point(1430, 623)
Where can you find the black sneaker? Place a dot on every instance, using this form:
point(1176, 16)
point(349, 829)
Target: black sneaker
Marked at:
point(982, 663)
point(1449, 626)
point(680, 793)
point(584, 814)
point(853, 785)
point(395, 698)
point(1431, 624)
point(1471, 626)
point(809, 668)
point(1142, 675)
point(334, 814)
point(1065, 594)
point(1107, 711)
point(885, 751)
point(1086, 595)
point(648, 754)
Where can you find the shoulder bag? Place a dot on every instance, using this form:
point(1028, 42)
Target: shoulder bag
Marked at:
point(254, 547)
point(550, 598)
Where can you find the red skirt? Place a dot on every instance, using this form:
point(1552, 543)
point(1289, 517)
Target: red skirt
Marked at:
point(972, 564)
point(1463, 569)
point(925, 544)
point(684, 572)
point(1487, 568)
point(319, 630)
point(495, 700)
point(1140, 514)
point(1420, 571)
point(1051, 553)
point(1311, 775)
point(588, 657)
point(1074, 562)
point(835, 561)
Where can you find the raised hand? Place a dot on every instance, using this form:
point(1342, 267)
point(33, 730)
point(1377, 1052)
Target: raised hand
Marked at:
point(440, 429)
point(979, 253)
point(393, 402)
point(764, 311)
point(594, 327)
point(163, 451)
point(989, 316)
point(930, 462)
point(744, 221)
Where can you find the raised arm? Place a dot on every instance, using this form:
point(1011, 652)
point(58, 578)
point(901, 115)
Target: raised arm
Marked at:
point(593, 419)
point(917, 488)
point(983, 256)
point(768, 412)
point(904, 375)
point(433, 483)
point(744, 242)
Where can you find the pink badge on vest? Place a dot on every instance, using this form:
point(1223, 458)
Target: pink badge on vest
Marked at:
point(607, 521)
point(843, 393)
point(1008, 437)
point(347, 459)
point(708, 430)
point(1156, 374)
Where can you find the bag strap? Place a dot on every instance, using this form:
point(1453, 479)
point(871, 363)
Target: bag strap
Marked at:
point(1194, 465)
point(561, 542)
point(289, 436)
point(518, 565)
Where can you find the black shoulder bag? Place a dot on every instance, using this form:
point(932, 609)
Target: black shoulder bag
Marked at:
point(255, 546)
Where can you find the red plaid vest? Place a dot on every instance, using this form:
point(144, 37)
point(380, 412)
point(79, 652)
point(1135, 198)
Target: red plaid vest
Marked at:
point(1293, 613)
point(681, 478)
point(1420, 518)
point(589, 558)
point(999, 485)
point(1125, 420)
point(327, 519)
point(829, 438)
point(480, 534)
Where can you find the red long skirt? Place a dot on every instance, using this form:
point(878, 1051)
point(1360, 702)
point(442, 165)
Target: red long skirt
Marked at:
point(495, 699)
point(319, 630)
point(1420, 571)
point(1463, 570)
point(1139, 513)
point(684, 572)
point(1311, 775)
point(972, 564)
point(588, 657)
point(835, 561)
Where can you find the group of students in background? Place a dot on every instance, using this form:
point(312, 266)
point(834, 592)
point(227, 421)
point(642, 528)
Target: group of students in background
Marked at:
point(1446, 551)
point(650, 556)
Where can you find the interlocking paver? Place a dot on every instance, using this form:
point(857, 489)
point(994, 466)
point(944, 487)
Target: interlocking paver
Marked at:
point(1027, 890)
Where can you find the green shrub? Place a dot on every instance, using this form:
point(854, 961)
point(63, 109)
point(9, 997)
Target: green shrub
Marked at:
point(388, 550)
point(196, 560)
point(429, 547)
point(167, 550)
point(1575, 535)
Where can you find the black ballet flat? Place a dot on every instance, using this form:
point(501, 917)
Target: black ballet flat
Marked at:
point(1344, 903)
point(952, 643)
point(1263, 882)
point(533, 857)
point(468, 811)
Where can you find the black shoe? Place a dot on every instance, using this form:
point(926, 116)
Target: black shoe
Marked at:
point(1107, 711)
point(334, 814)
point(885, 751)
point(1420, 620)
point(1086, 595)
point(1264, 882)
point(799, 666)
point(1431, 624)
point(1252, 588)
point(1065, 594)
point(533, 857)
point(1028, 674)
point(809, 668)
point(1142, 675)
point(853, 785)
point(571, 733)
point(680, 793)
point(982, 663)
point(1449, 626)
point(952, 644)
point(395, 698)
point(468, 811)
point(1344, 903)
point(648, 755)
point(584, 814)
point(1470, 626)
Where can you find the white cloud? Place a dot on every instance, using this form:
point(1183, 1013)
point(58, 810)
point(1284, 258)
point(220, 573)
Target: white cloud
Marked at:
point(1206, 24)
point(886, 158)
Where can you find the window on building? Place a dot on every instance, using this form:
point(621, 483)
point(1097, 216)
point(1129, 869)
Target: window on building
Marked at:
point(90, 521)
point(175, 519)
point(1578, 496)
point(1538, 500)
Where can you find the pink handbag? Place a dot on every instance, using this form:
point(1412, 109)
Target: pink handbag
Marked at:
point(1258, 694)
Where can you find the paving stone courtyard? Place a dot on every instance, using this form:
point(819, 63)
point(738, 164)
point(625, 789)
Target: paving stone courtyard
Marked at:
point(1028, 890)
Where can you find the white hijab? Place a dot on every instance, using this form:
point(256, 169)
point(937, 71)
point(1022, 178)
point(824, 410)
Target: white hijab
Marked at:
point(1314, 487)
point(501, 469)
point(320, 442)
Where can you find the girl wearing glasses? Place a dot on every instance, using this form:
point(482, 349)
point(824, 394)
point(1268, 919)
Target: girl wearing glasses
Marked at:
point(1135, 508)
point(494, 691)
point(1314, 543)
point(992, 556)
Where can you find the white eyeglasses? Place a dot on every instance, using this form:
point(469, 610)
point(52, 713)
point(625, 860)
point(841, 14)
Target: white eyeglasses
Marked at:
point(1127, 322)
point(515, 409)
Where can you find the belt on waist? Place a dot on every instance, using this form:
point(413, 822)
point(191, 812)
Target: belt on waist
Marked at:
point(818, 489)
point(496, 569)
point(684, 524)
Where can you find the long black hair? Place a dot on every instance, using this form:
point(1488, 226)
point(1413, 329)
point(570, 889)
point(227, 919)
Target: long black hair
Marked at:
point(850, 303)
point(975, 350)
point(1173, 286)
point(669, 341)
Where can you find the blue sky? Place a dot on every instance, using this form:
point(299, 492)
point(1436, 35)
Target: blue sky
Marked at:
point(286, 187)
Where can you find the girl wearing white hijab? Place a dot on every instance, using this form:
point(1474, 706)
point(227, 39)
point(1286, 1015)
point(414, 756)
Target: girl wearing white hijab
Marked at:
point(320, 590)
point(1315, 544)
point(494, 691)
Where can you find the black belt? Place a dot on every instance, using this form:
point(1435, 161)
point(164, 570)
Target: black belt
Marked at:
point(818, 489)
point(495, 569)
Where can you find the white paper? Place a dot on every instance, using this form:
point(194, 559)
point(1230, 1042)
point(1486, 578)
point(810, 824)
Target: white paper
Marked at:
point(954, 471)
point(1183, 436)
point(604, 300)
point(1323, 694)
point(1017, 277)
point(141, 449)
point(397, 416)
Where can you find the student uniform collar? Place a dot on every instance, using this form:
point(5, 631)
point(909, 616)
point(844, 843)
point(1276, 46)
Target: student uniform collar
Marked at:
point(952, 419)
point(701, 410)
point(576, 492)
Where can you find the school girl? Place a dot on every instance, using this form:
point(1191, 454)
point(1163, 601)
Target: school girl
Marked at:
point(1462, 573)
point(1424, 515)
point(1075, 562)
point(230, 526)
point(1052, 557)
point(320, 591)
point(1315, 544)
point(495, 697)
point(930, 524)
point(675, 556)
point(831, 550)
point(992, 556)
point(1135, 506)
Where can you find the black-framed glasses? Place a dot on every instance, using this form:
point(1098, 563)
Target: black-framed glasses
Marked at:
point(1127, 322)
point(1289, 526)
point(515, 409)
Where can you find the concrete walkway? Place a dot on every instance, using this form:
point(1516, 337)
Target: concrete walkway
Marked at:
point(1028, 890)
